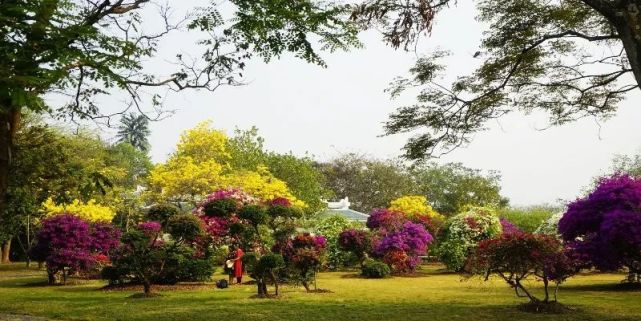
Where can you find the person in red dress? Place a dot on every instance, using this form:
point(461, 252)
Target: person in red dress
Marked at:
point(238, 265)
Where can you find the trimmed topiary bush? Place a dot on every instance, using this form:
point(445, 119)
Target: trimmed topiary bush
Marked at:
point(161, 213)
point(185, 227)
point(375, 270)
point(223, 207)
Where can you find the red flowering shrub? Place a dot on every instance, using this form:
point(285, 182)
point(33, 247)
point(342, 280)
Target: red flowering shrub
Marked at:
point(517, 256)
point(402, 248)
point(355, 241)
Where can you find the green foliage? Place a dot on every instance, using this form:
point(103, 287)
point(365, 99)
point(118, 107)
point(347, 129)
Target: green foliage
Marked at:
point(303, 179)
point(162, 213)
point(330, 227)
point(367, 182)
point(375, 269)
point(221, 207)
point(528, 219)
point(134, 130)
point(255, 214)
point(451, 187)
point(185, 227)
point(569, 59)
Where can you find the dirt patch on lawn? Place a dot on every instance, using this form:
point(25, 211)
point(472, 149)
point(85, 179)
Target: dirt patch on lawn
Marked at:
point(159, 288)
point(20, 317)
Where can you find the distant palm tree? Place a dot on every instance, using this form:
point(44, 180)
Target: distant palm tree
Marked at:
point(134, 129)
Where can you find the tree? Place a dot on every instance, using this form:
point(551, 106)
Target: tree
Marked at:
point(301, 174)
point(134, 130)
point(203, 163)
point(49, 163)
point(368, 183)
point(515, 257)
point(605, 226)
point(452, 187)
point(83, 51)
point(570, 59)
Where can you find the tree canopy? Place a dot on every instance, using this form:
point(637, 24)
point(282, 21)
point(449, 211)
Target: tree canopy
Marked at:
point(567, 58)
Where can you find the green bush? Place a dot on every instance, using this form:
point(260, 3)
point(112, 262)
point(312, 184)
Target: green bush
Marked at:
point(528, 219)
point(221, 207)
point(375, 270)
point(185, 227)
point(161, 213)
point(255, 214)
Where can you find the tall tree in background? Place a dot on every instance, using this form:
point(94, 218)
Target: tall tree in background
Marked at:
point(134, 129)
point(568, 58)
point(452, 187)
point(82, 51)
point(368, 183)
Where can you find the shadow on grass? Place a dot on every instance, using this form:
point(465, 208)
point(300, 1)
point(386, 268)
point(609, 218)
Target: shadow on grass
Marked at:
point(604, 287)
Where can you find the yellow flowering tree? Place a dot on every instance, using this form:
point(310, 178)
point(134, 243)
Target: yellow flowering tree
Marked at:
point(414, 205)
point(89, 211)
point(201, 164)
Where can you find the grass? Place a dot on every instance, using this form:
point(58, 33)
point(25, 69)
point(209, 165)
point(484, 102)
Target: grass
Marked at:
point(432, 295)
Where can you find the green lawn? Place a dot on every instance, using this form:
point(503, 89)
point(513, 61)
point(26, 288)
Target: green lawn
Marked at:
point(431, 296)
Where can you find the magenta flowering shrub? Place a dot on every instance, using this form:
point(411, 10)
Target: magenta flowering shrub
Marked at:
point(304, 256)
point(150, 228)
point(281, 201)
point(384, 219)
point(68, 244)
point(509, 227)
point(605, 226)
point(402, 248)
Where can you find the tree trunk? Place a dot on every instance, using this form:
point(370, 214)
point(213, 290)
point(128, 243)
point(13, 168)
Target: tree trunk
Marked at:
point(9, 123)
point(6, 251)
point(628, 25)
point(51, 277)
point(546, 289)
point(275, 280)
point(147, 287)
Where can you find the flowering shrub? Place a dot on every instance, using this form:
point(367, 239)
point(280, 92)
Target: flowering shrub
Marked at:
point(461, 234)
point(355, 241)
point(69, 244)
point(402, 248)
point(517, 256)
point(414, 206)
point(550, 226)
point(90, 211)
point(385, 220)
point(304, 254)
point(605, 226)
point(508, 227)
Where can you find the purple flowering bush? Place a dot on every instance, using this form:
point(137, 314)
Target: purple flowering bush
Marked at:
point(605, 226)
point(509, 227)
point(383, 219)
point(401, 249)
point(69, 245)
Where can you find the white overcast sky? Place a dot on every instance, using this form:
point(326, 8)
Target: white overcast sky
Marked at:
point(301, 108)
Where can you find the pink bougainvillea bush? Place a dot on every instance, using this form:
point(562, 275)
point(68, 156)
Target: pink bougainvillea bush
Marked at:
point(605, 226)
point(69, 245)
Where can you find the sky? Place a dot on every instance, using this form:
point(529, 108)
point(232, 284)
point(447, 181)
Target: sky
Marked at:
point(325, 112)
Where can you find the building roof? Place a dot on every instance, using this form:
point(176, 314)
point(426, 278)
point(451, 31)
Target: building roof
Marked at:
point(347, 213)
